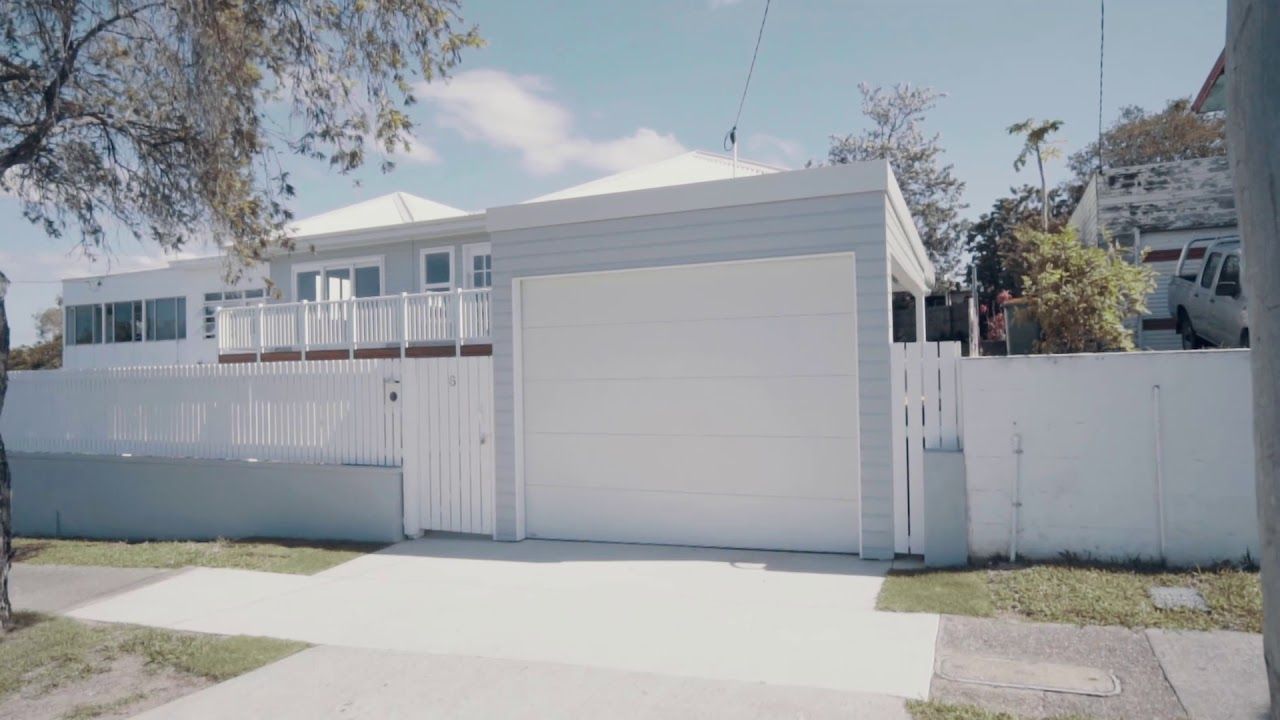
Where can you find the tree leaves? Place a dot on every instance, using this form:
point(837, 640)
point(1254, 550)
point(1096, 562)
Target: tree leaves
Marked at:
point(1080, 295)
point(930, 188)
point(161, 117)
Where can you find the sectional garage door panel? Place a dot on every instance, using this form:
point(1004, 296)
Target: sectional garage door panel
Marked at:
point(673, 405)
point(743, 521)
point(728, 465)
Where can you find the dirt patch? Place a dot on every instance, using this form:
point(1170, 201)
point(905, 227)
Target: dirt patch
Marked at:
point(54, 668)
point(119, 686)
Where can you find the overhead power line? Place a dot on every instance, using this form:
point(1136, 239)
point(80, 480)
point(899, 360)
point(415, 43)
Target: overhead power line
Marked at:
point(731, 138)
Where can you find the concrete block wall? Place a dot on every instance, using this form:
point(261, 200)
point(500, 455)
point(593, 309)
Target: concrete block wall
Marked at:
point(1114, 446)
point(144, 498)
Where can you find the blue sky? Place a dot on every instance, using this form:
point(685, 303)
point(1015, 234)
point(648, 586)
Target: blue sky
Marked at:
point(570, 90)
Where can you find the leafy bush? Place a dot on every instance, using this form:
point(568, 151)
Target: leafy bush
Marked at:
point(1080, 295)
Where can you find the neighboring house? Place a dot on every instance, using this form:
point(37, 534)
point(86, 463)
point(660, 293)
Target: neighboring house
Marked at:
point(163, 316)
point(1152, 211)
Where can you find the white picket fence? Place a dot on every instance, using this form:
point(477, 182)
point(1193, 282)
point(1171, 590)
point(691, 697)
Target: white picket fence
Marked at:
point(322, 412)
point(432, 417)
point(926, 379)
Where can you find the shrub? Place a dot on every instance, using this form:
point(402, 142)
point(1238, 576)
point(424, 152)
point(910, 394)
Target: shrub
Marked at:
point(1080, 295)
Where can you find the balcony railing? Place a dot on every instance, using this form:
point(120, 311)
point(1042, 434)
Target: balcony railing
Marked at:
point(433, 318)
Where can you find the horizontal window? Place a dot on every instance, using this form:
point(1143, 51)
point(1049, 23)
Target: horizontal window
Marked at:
point(167, 319)
point(84, 324)
point(127, 321)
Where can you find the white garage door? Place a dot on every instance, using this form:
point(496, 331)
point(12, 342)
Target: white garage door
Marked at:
point(696, 405)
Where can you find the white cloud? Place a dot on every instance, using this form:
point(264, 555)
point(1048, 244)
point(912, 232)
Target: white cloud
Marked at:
point(51, 266)
point(515, 112)
point(774, 150)
point(418, 152)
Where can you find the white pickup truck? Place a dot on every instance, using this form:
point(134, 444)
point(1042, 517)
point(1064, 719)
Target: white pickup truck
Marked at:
point(1208, 303)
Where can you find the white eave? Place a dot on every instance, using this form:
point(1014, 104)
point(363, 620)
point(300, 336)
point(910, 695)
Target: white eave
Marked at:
point(831, 180)
point(422, 230)
point(694, 166)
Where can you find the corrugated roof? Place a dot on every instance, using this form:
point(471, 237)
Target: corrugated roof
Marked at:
point(691, 167)
point(392, 209)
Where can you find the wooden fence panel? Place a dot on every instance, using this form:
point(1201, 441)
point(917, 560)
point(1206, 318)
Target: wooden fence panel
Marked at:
point(448, 445)
point(926, 378)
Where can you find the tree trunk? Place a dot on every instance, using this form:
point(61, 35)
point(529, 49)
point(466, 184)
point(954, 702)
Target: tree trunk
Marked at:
point(1044, 194)
point(1253, 142)
point(6, 495)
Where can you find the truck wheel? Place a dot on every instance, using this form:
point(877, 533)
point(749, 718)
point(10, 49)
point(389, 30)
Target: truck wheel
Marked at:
point(1190, 341)
point(1244, 338)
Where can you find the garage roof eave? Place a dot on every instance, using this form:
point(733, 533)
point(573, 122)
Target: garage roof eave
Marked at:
point(827, 181)
point(905, 245)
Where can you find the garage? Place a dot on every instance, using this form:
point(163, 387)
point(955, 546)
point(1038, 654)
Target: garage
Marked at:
point(706, 404)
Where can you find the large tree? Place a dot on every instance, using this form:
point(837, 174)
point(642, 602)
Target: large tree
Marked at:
point(928, 184)
point(1036, 143)
point(169, 119)
point(46, 352)
point(1138, 137)
point(990, 238)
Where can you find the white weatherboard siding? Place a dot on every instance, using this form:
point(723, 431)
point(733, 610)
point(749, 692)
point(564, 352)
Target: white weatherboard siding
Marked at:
point(189, 279)
point(1088, 427)
point(854, 222)
point(693, 405)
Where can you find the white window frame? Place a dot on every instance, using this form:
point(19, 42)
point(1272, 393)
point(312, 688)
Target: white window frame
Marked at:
point(350, 264)
point(422, 269)
point(210, 332)
point(469, 252)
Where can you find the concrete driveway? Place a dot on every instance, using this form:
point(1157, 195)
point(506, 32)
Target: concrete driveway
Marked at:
point(790, 619)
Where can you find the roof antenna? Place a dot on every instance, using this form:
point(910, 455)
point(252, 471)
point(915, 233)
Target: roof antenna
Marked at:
point(731, 137)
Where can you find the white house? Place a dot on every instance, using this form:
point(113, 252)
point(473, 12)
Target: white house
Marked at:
point(697, 352)
point(163, 316)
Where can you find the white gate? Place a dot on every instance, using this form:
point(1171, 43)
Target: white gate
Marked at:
point(447, 419)
point(925, 378)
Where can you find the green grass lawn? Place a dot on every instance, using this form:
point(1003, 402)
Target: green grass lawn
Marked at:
point(280, 556)
point(1080, 595)
point(47, 655)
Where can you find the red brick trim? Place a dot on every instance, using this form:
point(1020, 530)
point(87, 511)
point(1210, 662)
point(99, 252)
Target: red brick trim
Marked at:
point(377, 353)
point(237, 358)
point(282, 356)
point(429, 351)
point(477, 350)
point(1168, 255)
point(328, 355)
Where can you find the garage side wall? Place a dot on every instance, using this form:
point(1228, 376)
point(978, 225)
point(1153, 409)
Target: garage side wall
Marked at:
point(797, 227)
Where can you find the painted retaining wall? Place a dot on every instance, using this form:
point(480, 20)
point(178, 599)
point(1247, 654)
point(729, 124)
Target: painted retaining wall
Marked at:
point(1087, 426)
point(141, 498)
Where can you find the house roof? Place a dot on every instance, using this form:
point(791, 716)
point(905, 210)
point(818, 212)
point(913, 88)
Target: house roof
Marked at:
point(1213, 93)
point(392, 209)
point(691, 167)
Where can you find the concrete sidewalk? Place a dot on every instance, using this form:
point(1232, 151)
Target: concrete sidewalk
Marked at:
point(793, 619)
point(59, 588)
point(327, 682)
point(1217, 675)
